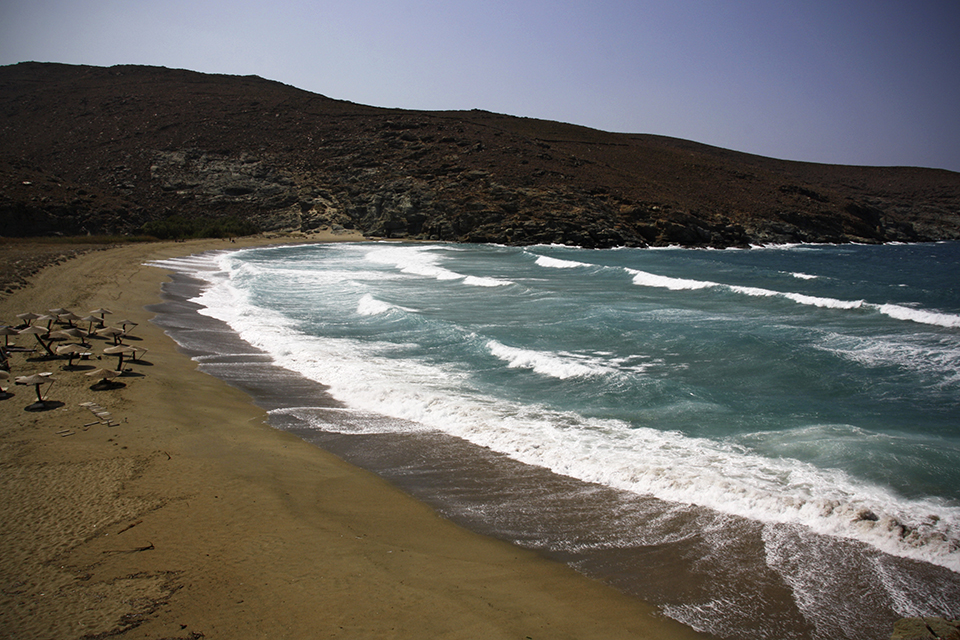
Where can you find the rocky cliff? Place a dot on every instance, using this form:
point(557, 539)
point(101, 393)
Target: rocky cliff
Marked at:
point(926, 629)
point(105, 150)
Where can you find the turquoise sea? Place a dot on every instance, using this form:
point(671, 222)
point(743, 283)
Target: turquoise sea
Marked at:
point(762, 442)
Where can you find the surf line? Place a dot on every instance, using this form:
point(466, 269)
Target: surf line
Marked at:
point(895, 311)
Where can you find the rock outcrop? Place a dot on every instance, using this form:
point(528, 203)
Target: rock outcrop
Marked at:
point(105, 150)
point(926, 629)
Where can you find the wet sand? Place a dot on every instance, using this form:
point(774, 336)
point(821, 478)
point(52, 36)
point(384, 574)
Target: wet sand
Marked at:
point(192, 517)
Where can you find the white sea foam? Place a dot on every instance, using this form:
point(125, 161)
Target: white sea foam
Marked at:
point(418, 261)
point(555, 365)
point(803, 276)
point(920, 316)
point(193, 265)
point(370, 306)
point(824, 303)
point(479, 281)
point(898, 312)
point(939, 359)
point(556, 263)
point(647, 279)
point(757, 292)
point(423, 261)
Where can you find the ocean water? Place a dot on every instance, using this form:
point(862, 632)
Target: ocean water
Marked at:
point(762, 442)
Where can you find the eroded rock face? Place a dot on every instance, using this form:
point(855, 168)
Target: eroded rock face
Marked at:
point(94, 150)
point(220, 182)
point(222, 179)
point(926, 629)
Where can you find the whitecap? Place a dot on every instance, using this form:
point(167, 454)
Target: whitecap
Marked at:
point(825, 303)
point(556, 263)
point(920, 316)
point(370, 306)
point(479, 281)
point(554, 365)
point(647, 279)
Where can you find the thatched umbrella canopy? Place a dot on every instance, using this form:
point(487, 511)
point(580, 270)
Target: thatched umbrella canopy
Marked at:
point(104, 374)
point(47, 319)
point(28, 317)
point(35, 380)
point(120, 351)
point(100, 312)
point(6, 332)
point(126, 325)
point(113, 332)
point(70, 334)
point(71, 351)
point(91, 319)
point(69, 316)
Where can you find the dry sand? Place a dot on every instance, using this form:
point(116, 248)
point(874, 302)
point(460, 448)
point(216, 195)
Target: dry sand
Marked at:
point(193, 518)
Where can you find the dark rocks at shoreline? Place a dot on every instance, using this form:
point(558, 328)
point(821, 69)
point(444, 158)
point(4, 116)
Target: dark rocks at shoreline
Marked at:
point(89, 150)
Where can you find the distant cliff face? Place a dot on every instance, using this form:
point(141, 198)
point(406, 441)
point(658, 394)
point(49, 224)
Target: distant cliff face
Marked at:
point(104, 150)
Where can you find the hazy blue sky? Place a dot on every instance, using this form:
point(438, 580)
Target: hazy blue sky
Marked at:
point(838, 81)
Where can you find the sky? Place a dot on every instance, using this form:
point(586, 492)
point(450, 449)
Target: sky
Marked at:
point(833, 81)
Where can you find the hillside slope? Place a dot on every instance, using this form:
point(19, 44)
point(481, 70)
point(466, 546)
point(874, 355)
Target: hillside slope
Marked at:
point(104, 150)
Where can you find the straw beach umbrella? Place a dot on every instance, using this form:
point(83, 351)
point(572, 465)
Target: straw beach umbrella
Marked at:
point(69, 316)
point(100, 312)
point(46, 318)
point(103, 373)
point(113, 332)
point(6, 332)
point(71, 351)
point(69, 334)
point(59, 311)
point(36, 380)
point(105, 376)
point(28, 317)
point(91, 319)
point(123, 324)
point(120, 351)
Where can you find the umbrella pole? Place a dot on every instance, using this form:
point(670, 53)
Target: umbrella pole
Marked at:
point(39, 397)
point(43, 344)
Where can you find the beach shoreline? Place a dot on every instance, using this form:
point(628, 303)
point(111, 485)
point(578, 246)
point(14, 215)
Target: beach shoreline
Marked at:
point(192, 517)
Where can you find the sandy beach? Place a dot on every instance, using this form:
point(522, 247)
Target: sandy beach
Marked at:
point(183, 514)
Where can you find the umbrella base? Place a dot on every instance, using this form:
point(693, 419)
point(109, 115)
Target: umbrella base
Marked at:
point(44, 405)
point(106, 385)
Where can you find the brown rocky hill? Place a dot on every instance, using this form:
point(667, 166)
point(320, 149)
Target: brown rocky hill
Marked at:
point(105, 150)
